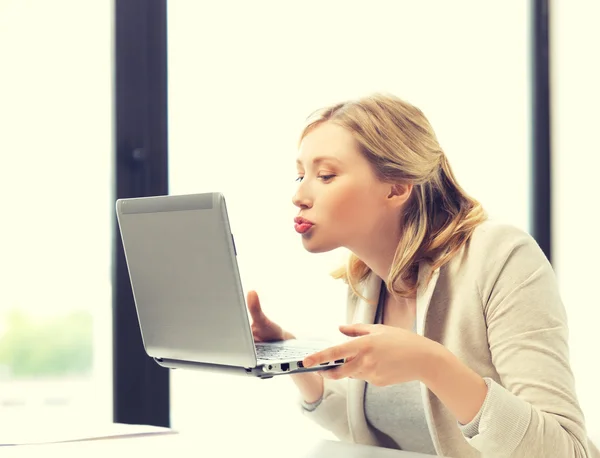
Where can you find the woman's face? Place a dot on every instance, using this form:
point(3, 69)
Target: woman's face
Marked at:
point(343, 202)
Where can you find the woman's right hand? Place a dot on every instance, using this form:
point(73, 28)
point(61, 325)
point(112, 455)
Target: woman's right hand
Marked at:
point(263, 329)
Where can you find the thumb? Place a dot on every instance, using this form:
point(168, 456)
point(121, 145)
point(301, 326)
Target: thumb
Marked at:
point(356, 330)
point(255, 308)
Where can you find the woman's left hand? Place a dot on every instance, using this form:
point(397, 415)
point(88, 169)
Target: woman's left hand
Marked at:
point(381, 355)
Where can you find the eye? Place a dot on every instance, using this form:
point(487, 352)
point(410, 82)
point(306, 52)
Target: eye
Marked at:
point(299, 179)
point(326, 178)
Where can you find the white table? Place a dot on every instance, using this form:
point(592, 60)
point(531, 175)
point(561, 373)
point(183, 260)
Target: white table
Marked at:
point(202, 444)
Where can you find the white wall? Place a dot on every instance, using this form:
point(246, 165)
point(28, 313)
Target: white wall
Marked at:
point(575, 99)
point(242, 78)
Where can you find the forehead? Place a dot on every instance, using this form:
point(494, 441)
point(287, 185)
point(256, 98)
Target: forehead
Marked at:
point(328, 139)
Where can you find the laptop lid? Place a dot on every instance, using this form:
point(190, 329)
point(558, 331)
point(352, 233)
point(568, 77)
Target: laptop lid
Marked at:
point(184, 275)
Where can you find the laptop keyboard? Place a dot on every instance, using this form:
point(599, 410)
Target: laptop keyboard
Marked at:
point(274, 353)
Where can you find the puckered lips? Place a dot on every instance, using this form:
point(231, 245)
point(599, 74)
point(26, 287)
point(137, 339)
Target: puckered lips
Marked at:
point(302, 225)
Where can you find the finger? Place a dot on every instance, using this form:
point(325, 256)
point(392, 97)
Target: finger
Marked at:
point(348, 369)
point(254, 307)
point(344, 350)
point(356, 330)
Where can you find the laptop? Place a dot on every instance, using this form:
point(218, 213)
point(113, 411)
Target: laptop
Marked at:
point(181, 258)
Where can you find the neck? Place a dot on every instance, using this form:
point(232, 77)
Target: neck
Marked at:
point(377, 251)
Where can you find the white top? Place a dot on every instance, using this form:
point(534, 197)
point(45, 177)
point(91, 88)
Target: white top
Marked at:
point(396, 413)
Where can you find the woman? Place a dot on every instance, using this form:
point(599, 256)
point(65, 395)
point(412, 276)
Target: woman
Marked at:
point(461, 337)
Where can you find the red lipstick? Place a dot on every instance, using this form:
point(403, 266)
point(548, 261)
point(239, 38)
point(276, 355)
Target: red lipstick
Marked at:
point(302, 225)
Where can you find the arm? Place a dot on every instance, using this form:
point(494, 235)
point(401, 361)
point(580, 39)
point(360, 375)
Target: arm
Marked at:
point(534, 411)
point(310, 386)
point(323, 400)
point(459, 388)
point(330, 411)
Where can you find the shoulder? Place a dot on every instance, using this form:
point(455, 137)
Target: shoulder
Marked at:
point(500, 257)
point(498, 250)
point(491, 232)
point(494, 242)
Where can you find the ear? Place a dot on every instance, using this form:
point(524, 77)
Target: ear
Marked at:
point(399, 194)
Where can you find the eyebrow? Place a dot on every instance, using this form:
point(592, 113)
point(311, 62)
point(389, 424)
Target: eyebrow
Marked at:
point(319, 159)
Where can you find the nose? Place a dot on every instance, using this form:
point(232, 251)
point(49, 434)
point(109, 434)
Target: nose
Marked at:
point(300, 198)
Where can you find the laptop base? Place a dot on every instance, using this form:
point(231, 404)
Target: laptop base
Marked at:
point(258, 371)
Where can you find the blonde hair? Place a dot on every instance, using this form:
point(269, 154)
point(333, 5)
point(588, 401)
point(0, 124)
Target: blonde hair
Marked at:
point(400, 144)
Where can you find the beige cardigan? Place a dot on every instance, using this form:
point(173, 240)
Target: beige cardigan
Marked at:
point(496, 306)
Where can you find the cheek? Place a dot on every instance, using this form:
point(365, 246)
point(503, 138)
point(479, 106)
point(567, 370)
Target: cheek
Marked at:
point(350, 204)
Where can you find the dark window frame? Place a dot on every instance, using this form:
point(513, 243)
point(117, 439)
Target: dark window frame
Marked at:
point(140, 385)
point(541, 148)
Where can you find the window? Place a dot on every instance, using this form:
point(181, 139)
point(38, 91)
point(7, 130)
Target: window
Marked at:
point(576, 161)
point(56, 147)
point(242, 79)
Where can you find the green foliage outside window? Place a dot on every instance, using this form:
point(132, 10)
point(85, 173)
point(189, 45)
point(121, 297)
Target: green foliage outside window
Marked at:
point(46, 347)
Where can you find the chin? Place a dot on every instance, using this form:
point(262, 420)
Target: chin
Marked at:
point(312, 246)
